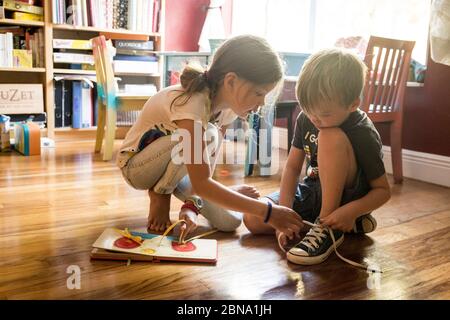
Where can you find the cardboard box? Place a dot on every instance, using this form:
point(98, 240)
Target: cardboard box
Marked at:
point(27, 138)
point(21, 98)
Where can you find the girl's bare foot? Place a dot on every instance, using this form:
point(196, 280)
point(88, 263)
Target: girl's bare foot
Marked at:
point(246, 190)
point(158, 217)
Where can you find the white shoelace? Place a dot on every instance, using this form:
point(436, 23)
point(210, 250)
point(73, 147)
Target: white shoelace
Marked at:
point(314, 237)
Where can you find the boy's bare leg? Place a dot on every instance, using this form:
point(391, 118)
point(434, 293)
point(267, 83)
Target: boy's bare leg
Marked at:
point(159, 214)
point(337, 167)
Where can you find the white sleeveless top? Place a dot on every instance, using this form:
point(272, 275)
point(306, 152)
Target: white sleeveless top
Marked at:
point(157, 114)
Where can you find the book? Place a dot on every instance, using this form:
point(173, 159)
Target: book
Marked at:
point(58, 89)
point(65, 57)
point(134, 57)
point(22, 58)
point(133, 45)
point(135, 52)
point(155, 247)
point(86, 105)
point(22, 7)
point(76, 105)
point(139, 67)
point(27, 16)
point(67, 103)
point(72, 44)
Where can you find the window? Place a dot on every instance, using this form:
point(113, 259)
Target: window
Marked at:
point(309, 25)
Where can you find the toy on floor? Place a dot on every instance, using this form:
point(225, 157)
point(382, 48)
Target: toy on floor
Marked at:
point(116, 244)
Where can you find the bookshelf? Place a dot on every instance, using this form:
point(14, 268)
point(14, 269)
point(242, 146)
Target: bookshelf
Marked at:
point(46, 73)
point(22, 23)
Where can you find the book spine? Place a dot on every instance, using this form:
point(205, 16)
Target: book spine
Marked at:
point(63, 57)
point(67, 106)
point(86, 105)
point(9, 50)
point(58, 88)
point(27, 16)
point(134, 45)
point(72, 44)
point(76, 105)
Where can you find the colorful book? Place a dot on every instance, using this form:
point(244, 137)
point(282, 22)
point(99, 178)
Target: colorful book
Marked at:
point(153, 247)
point(22, 58)
point(27, 16)
point(72, 44)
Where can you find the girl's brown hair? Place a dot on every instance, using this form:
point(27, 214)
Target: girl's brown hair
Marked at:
point(250, 57)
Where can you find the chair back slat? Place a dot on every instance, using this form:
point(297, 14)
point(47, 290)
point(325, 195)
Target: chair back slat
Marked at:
point(386, 78)
point(106, 85)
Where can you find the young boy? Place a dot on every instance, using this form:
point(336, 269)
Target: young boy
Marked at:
point(345, 177)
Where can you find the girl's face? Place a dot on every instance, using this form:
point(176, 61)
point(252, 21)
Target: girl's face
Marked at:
point(246, 97)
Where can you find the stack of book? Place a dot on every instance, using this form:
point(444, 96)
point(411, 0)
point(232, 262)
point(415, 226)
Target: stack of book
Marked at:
point(135, 15)
point(24, 10)
point(73, 54)
point(136, 57)
point(21, 47)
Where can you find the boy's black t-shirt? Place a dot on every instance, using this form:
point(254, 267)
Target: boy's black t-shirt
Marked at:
point(360, 131)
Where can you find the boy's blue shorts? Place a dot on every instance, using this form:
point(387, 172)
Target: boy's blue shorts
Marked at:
point(308, 197)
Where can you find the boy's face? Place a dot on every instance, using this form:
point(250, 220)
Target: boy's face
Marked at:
point(331, 114)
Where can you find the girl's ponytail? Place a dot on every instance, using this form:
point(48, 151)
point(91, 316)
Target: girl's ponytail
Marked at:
point(193, 79)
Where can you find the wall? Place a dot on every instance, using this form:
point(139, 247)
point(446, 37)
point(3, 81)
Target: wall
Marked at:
point(427, 109)
point(426, 126)
point(184, 22)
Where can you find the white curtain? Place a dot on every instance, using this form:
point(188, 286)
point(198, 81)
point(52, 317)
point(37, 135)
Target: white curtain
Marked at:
point(213, 27)
point(440, 31)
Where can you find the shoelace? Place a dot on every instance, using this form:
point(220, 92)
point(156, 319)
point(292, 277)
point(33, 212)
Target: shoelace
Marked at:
point(125, 233)
point(314, 235)
point(181, 239)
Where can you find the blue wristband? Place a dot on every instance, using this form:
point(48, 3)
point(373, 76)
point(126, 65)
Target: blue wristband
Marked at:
point(269, 212)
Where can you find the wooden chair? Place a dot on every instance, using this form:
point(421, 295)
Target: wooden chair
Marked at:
point(388, 63)
point(109, 99)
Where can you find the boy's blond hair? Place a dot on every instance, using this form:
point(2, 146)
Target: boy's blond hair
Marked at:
point(330, 75)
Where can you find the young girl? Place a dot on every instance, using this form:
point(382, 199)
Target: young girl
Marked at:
point(243, 70)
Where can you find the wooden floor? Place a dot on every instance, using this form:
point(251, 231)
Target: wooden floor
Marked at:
point(53, 207)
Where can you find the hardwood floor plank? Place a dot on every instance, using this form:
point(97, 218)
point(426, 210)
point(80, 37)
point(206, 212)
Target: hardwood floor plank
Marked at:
point(53, 207)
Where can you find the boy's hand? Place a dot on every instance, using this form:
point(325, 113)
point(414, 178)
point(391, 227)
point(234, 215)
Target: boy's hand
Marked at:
point(339, 220)
point(191, 222)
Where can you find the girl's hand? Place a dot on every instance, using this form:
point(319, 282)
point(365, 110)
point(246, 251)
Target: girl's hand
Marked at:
point(339, 220)
point(285, 220)
point(191, 222)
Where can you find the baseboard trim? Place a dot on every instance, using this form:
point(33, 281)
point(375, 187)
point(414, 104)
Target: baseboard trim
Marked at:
point(421, 166)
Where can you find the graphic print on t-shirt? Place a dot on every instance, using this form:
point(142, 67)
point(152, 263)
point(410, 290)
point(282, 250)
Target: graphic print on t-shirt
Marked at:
point(310, 148)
